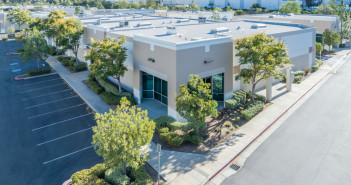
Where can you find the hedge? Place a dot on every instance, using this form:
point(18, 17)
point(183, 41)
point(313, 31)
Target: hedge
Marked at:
point(252, 110)
point(180, 126)
point(77, 67)
point(35, 72)
point(299, 73)
point(163, 121)
point(257, 97)
point(239, 97)
point(315, 68)
point(116, 177)
point(112, 99)
point(193, 139)
point(140, 176)
point(95, 87)
point(93, 175)
point(110, 88)
point(297, 79)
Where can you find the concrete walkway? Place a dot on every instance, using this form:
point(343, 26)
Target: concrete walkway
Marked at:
point(192, 169)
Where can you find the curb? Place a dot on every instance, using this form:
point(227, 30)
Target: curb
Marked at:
point(333, 69)
point(19, 77)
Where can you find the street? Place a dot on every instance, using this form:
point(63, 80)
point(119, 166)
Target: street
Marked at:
point(312, 146)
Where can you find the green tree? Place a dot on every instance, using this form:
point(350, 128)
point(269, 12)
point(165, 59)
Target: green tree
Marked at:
point(70, 30)
point(19, 16)
point(109, 56)
point(255, 5)
point(77, 10)
point(120, 135)
point(331, 38)
point(193, 6)
point(23, 36)
point(333, 6)
point(135, 5)
point(263, 55)
point(319, 48)
point(215, 16)
point(35, 48)
point(51, 23)
point(344, 21)
point(143, 4)
point(151, 4)
point(195, 103)
point(323, 9)
point(121, 5)
point(290, 7)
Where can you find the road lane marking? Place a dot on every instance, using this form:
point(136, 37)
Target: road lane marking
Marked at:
point(42, 88)
point(55, 111)
point(39, 82)
point(68, 154)
point(64, 136)
point(61, 122)
point(45, 94)
point(52, 101)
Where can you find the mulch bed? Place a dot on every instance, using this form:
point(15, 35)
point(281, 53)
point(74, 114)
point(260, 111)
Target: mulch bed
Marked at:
point(214, 137)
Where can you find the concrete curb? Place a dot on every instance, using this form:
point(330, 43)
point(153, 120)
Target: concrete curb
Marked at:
point(333, 70)
point(19, 77)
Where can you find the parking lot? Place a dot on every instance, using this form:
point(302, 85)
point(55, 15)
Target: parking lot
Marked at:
point(45, 126)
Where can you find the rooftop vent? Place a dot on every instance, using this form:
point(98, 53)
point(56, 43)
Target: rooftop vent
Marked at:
point(202, 19)
point(258, 26)
point(137, 16)
point(123, 23)
point(271, 16)
point(144, 24)
point(197, 38)
point(239, 28)
point(182, 20)
point(219, 30)
point(171, 30)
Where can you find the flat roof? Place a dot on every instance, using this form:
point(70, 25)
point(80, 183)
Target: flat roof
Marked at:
point(293, 16)
point(197, 32)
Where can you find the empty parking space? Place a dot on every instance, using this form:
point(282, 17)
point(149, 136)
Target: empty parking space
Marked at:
point(48, 126)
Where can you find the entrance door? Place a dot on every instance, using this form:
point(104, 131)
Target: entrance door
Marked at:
point(155, 88)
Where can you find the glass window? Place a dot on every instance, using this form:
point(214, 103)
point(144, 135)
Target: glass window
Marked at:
point(218, 85)
point(157, 96)
point(148, 82)
point(148, 94)
point(218, 97)
point(165, 100)
point(157, 82)
point(164, 88)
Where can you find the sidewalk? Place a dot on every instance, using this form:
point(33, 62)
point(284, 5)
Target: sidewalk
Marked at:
point(193, 169)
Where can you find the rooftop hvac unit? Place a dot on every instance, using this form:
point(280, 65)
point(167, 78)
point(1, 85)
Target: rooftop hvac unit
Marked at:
point(182, 20)
point(258, 26)
point(123, 23)
point(219, 30)
point(144, 24)
point(171, 30)
point(202, 19)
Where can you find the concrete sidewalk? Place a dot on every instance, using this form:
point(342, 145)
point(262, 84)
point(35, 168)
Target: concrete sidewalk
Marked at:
point(187, 168)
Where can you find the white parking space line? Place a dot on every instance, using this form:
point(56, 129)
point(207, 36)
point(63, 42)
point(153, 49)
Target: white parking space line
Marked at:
point(61, 122)
point(39, 82)
point(42, 88)
point(68, 154)
point(55, 111)
point(64, 136)
point(45, 94)
point(52, 101)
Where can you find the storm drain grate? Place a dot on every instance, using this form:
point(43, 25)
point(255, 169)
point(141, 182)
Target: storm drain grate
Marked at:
point(235, 167)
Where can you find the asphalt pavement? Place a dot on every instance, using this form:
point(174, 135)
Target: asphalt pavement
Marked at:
point(45, 127)
point(312, 147)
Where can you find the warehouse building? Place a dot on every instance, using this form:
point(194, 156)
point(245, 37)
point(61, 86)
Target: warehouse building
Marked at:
point(163, 52)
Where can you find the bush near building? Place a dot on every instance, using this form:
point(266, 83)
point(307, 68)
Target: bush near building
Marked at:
point(71, 64)
point(252, 109)
point(298, 75)
point(41, 71)
point(316, 66)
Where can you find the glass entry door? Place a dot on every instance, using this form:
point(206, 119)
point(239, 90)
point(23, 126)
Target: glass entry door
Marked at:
point(217, 86)
point(155, 88)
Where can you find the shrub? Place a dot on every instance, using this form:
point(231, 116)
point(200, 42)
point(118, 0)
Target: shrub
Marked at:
point(77, 67)
point(239, 97)
point(342, 45)
point(108, 87)
point(52, 50)
point(257, 97)
point(228, 124)
point(308, 70)
point(110, 98)
point(239, 12)
point(299, 73)
point(231, 104)
point(252, 109)
point(91, 77)
point(218, 129)
point(164, 130)
point(163, 121)
point(297, 79)
point(93, 175)
point(168, 137)
point(99, 170)
point(4, 39)
point(315, 68)
point(176, 141)
point(140, 176)
point(195, 140)
point(116, 177)
point(180, 126)
point(35, 72)
point(19, 50)
point(95, 87)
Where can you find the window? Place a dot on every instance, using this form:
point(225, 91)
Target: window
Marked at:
point(155, 88)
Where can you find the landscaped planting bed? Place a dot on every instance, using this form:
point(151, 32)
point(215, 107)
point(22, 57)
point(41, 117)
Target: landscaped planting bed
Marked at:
point(36, 72)
point(108, 91)
point(182, 137)
point(71, 64)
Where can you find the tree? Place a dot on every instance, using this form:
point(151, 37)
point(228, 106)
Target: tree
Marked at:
point(23, 36)
point(70, 30)
point(255, 5)
point(333, 6)
point(215, 16)
point(195, 103)
point(109, 56)
point(19, 16)
point(344, 21)
point(319, 48)
point(135, 5)
point(263, 55)
point(193, 6)
point(331, 38)
point(51, 23)
point(35, 48)
point(151, 4)
point(323, 9)
point(77, 10)
point(120, 135)
point(290, 7)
